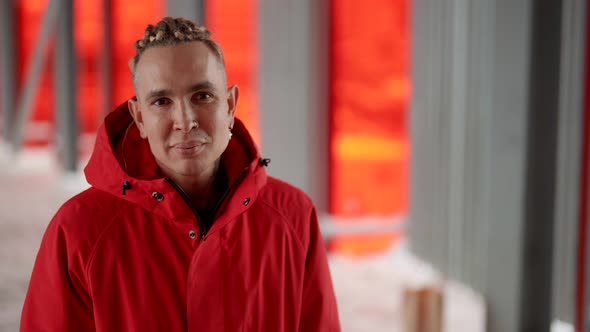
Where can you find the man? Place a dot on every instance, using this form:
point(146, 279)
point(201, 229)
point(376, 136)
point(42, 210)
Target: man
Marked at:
point(182, 230)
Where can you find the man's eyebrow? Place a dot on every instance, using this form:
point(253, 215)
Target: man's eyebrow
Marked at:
point(195, 87)
point(157, 93)
point(202, 85)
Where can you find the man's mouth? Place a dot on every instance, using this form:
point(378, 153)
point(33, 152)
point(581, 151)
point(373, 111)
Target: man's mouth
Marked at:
point(189, 148)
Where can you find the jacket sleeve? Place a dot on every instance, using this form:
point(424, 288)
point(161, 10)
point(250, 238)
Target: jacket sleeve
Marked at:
point(319, 311)
point(57, 299)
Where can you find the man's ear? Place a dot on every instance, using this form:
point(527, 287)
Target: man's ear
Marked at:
point(135, 111)
point(232, 100)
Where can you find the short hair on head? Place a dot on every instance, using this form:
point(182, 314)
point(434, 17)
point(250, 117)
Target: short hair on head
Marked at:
point(173, 31)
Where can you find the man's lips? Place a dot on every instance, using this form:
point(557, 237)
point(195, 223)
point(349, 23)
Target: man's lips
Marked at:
point(188, 145)
point(189, 149)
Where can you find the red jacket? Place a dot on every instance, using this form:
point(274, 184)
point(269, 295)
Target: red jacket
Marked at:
point(125, 255)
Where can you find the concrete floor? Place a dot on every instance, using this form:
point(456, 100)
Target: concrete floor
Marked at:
point(368, 290)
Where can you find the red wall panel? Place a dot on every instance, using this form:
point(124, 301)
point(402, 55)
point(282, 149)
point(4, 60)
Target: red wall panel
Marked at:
point(130, 17)
point(370, 89)
point(29, 15)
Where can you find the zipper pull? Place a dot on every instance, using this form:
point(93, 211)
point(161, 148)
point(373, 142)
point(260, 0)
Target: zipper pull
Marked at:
point(126, 185)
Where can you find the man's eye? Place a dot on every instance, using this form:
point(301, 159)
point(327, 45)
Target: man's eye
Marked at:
point(161, 102)
point(203, 96)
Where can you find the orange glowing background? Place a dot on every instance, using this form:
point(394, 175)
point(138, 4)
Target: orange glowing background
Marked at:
point(130, 17)
point(370, 90)
point(234, 26)
point(129, 20)
point(87, 42)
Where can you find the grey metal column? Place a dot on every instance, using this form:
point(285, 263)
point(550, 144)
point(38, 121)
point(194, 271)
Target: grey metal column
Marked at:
point(318, 107)
point(190, 9)
point(65, 88)
point(293, 85)
point(484, 116)
point(428, 224)
point(508, 148)
point(541, 170)
point(567, 203)
point(8, 58)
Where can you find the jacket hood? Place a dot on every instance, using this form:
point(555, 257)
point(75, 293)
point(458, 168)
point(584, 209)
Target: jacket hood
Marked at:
point(122, 164)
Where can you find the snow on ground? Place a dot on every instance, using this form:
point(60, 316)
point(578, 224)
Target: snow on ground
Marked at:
point(368, 289)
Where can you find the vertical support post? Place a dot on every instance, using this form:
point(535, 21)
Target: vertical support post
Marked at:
point(65, 88)
point(8, 67)
point(293, 117)
point(191, 9)
point(318, 107)
point(583, 257)
point(569, 159)
point(429, 170)
point(501, 64)
point(541, 165)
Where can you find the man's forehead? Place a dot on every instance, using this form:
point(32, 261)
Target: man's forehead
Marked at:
point(187, 63)
point(183, 56)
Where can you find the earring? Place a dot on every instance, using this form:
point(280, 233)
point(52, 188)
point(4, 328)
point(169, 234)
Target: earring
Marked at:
point(230, 133)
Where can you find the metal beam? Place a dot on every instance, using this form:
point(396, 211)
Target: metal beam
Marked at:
point(541, 171)
point(65, 88)
point(567, 201)
point(485, 117)
point(8, 58)
point(318, 106)
point(26, 98)
point(292, 77)
point(190, 9)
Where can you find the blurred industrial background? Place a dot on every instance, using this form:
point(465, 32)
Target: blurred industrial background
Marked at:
point(446, 143)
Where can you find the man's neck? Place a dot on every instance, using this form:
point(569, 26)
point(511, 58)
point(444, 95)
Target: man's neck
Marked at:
point(203, 189)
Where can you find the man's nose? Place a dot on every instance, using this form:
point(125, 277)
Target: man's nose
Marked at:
point(185, 117)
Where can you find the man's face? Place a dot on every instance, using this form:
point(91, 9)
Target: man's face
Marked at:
point(177, 86)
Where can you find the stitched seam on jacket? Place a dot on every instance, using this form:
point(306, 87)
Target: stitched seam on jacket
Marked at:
point(98, 239)
point(285, 221)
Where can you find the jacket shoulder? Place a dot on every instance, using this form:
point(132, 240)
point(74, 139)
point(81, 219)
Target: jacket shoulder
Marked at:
point(90, 207)
point(82, 219)
point(293, 206)
point(285, 197)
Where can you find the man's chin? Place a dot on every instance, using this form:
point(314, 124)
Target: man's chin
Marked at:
point(191, 168)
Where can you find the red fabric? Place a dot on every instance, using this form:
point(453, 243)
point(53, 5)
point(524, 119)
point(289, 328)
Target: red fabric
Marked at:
point(114, 262)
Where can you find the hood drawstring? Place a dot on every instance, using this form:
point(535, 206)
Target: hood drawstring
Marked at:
point(126, 185)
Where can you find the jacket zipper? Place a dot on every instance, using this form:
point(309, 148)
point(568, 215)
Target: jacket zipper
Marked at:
point(202, 229)
point(227, 191)
point(187, 199)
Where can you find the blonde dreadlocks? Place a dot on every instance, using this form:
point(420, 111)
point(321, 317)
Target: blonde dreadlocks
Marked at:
point(173, 31)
